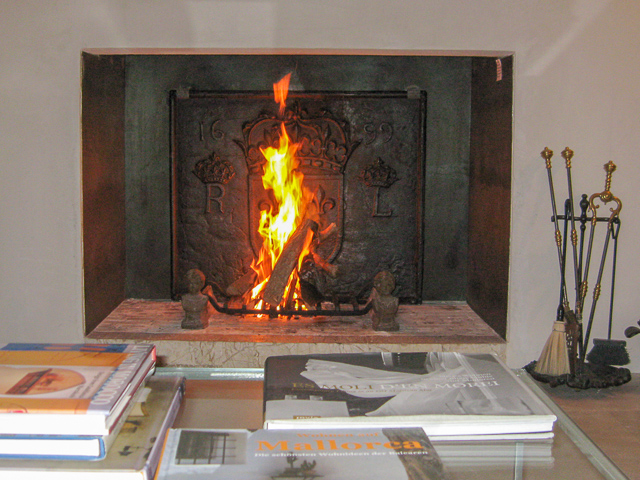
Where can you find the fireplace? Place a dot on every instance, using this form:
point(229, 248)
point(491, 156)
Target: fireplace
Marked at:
point(421, 189)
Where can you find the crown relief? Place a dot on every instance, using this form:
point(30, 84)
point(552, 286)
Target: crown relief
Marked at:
point(213, 169)
point(323, 140)
point(379, 174)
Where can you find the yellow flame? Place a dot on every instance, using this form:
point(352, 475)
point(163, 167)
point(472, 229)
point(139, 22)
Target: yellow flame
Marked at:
point(285, 181)
point(281, 177)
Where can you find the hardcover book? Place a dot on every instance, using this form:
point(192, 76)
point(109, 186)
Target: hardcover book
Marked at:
point(68, 447)
point(448, 394)
point(71, 389)
point(135, 452)
point(538, 453)
point(347, 454)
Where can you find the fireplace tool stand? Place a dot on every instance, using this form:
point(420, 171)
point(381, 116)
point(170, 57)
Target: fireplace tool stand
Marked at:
point(564, 359)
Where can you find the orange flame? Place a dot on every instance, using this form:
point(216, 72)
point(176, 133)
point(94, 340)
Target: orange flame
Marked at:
point(280, 91)
point(285, 181)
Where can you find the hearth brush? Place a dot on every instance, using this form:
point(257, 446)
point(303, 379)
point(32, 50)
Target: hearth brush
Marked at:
point(605, 351)
point(608, 351)
point(554, 358)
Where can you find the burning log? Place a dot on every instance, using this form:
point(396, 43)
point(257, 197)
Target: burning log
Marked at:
point(275, 287)
point(311, 282)
point(313, 268)
point(327, 232)
point(242, 285)
point(332, 270)
point(320, 237)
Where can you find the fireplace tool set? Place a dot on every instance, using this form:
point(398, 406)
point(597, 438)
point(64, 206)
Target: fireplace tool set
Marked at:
point(564, 358)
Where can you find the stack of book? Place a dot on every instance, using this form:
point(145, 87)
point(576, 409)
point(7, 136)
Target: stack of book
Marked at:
point(470, 405)
point(354, 416)
point(70, 409)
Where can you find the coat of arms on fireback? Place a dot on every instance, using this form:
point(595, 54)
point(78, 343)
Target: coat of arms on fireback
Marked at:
point(324, 148)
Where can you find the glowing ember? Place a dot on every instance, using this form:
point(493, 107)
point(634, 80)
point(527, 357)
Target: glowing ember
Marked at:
point(285, 181)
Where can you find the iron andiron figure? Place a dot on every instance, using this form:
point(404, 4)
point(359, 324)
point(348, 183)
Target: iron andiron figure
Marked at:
point(385, 305)
point(196, 303)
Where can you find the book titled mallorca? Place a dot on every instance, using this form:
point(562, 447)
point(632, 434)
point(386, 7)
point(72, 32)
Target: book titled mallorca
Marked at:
point(70, 389)
point(345, 454)
point(448, 394)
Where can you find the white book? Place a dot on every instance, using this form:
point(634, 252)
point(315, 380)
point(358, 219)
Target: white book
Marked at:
point(447, 394)
point(71, 389)
point(135, 452)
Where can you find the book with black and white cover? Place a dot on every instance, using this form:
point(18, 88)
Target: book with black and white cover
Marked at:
point(71, 389)
point(446, 393)
point(347, 454)
point(135, 452)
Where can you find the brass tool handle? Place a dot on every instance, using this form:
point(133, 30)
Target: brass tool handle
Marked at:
point(610, 167)
point(606, 196)
point(567, 154)
point(547, 153)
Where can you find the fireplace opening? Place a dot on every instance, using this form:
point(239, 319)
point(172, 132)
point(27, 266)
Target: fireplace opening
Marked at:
point(406, 157)
point(351, 183)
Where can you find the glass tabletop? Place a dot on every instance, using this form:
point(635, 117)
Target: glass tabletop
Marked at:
point(232, 398)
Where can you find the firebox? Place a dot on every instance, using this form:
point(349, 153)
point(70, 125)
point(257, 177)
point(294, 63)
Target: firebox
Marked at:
point(360, 156)
point(406, 155)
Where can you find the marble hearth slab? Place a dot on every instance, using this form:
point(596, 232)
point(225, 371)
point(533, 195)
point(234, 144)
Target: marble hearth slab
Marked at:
point(245, 342)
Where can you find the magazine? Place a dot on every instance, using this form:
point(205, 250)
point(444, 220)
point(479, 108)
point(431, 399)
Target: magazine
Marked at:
point(135, 452)
point(347, 454)
point(448, 394)
point(71, 389)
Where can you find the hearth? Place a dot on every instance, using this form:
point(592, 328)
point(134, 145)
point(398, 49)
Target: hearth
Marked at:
point(417, 183)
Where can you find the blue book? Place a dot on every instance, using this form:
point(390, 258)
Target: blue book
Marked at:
point(134, 453)
point(67, 447)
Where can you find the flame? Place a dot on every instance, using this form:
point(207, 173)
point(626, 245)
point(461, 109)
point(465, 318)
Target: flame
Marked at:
point(281, 177)
point(285, 182)
point(280, 91)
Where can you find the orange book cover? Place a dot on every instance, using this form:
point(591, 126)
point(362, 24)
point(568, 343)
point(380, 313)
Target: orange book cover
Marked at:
point(59, 378)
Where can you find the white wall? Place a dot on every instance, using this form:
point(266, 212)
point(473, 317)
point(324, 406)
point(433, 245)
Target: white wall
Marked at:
point(577, 70)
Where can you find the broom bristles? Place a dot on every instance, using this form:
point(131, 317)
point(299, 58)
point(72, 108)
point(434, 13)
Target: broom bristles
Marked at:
point(608, 352)
point(554, 359)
